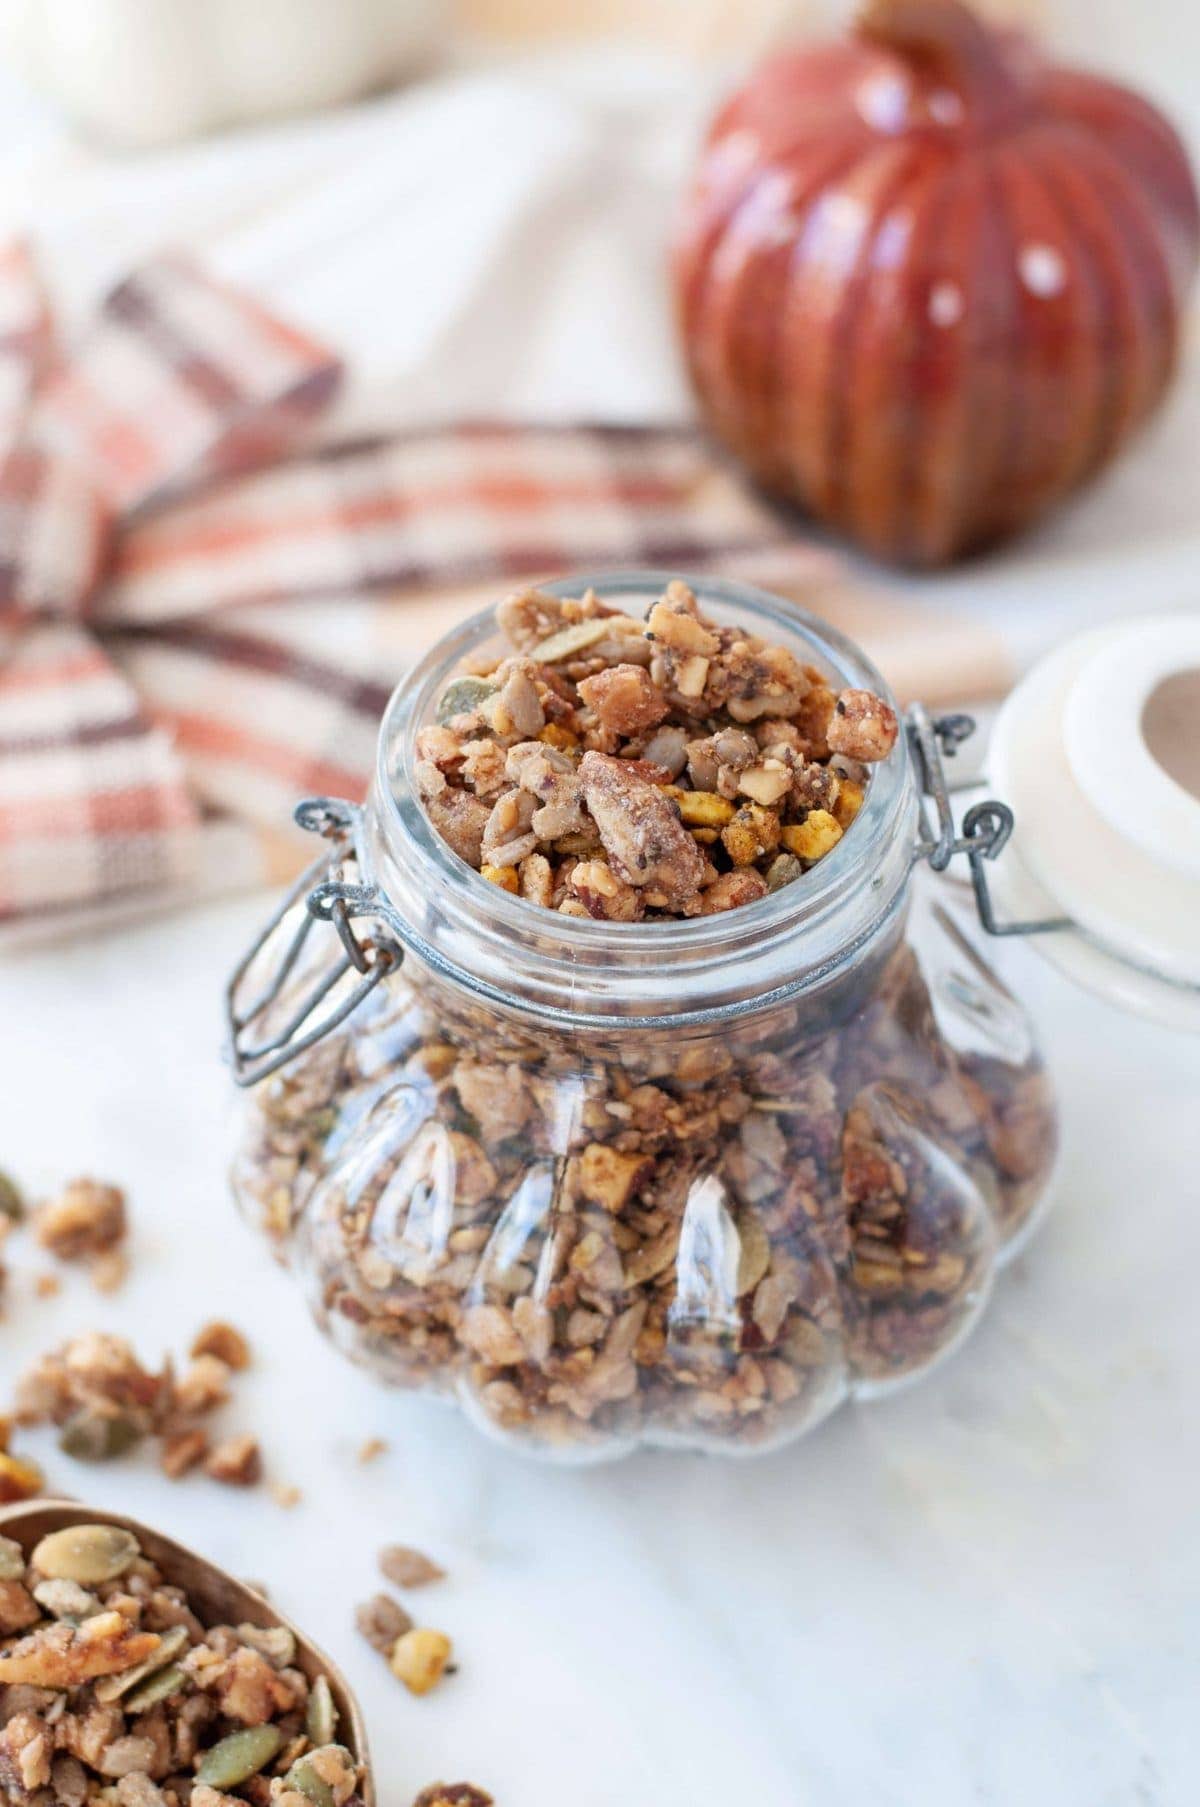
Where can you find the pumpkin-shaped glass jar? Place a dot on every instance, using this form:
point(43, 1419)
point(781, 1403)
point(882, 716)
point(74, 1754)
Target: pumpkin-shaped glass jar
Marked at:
point(675, 1182)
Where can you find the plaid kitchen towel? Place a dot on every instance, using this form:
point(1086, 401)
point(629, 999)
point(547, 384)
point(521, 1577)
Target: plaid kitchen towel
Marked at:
point(203, 606)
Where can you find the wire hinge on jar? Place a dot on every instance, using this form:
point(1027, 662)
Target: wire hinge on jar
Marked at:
point(986, 826)
point(326, 899)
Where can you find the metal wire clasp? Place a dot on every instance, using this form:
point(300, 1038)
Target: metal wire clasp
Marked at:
point(326, 899)
point(986, 826)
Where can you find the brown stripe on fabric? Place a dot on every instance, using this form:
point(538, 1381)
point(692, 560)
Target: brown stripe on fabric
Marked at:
point(615, 432)
point(86, 734)
point(251, 652)
point(135, 304)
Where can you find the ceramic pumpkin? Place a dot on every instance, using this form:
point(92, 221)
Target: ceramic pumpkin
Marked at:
point(928, 283)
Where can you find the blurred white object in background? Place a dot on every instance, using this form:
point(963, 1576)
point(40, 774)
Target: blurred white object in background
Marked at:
point(143, 72)
point(1096, 752)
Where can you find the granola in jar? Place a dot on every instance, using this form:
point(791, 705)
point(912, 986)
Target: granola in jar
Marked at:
point(651, 1139)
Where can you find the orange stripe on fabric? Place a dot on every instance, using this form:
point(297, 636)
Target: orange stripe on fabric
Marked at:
point(203, 734)
point(53, 672)
point(141, 552)
point(134, 806)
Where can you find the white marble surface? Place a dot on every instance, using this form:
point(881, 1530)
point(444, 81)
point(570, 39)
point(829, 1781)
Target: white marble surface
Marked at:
point(986, 1590)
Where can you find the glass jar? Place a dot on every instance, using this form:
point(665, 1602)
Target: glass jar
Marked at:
point(674, 1182)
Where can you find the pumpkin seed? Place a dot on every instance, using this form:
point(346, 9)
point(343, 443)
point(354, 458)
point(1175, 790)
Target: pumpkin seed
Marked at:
point(98, 1437)
point(321, 1718)
point(88, 1554)
point(12, 1560)
point(159, 1686)
point(463, 697)
point(570, 640)
point(112, 1687)
point(305, 1780)
point(12, 1205)
point(236, 1758)
point(783, 870)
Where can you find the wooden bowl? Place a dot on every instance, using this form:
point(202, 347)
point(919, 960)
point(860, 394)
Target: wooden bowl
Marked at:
point(217, 1598)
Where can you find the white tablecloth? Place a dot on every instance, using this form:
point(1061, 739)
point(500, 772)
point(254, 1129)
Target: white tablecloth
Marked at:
point(986, 1590)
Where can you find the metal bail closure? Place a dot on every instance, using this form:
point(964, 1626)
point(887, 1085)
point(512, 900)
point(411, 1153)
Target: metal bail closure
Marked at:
point(327, 899)
point(986, 826)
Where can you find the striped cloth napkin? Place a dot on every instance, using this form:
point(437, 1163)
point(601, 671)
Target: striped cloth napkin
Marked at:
point(203, 607)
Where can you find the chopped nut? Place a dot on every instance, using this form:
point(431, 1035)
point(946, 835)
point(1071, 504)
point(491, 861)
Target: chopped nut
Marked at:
point(732, 890)
point(382, 1621)
point(453, 1794)
point(419, 1658)
point(222, 1340)
point(674, 621)
point(181, 1452)
point(237, 1462)
point(110, 1271)
point(18, 1608)
point(608, 1176)
point(372, 1449)
point(642, 834)
point(625, 698)
point(61, 1656)
point(409, 1568)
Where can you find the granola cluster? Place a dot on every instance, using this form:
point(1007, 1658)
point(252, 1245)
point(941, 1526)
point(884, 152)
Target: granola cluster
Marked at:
point(700, 1240)
point(86, 1224)
point(114, 1691)
point(105, 1402)
point(619, 769)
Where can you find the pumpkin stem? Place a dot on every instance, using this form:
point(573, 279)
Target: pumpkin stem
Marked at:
point(947, 39)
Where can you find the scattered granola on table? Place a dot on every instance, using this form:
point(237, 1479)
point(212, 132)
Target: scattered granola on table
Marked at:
point(105, 1402)
point(453, 1794)
point(88, 1218)
point(114, 1691)
point(613, 768)
point(406, 1567)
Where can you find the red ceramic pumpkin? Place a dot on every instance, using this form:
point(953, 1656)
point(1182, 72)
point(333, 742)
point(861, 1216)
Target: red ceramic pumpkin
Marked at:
point(929, 283)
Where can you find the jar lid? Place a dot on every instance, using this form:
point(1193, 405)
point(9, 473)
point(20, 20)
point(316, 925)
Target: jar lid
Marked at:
point(1097, 751)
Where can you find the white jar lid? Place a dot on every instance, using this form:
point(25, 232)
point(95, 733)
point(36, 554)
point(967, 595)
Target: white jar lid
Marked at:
point(1107, 820)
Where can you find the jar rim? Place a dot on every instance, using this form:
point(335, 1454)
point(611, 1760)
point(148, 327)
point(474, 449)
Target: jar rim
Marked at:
point(854, 886)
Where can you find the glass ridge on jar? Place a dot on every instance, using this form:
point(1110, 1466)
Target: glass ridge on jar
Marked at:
point(675, 1182)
